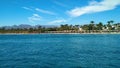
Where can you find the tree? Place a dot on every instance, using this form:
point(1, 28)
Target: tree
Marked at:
point(111, 21)
point(109, 25)
point(71, 27)
point(118, 26)
point(91, 25)
point(31, 30)
point(2, 30)
point(39, 27)
point(100, 26)
point(85, 27)
point(76, 27)
point(64, 27)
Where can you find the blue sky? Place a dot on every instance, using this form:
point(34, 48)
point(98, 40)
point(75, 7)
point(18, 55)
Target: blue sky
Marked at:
point(56, 12)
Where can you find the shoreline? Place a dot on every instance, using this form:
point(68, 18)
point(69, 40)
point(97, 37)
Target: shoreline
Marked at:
point(50, 33)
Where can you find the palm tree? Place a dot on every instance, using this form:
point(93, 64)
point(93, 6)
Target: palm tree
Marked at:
point(109, 25)
point(91, 25)
point(71, 27)
point(104, 26)
point(100, 26)
point(111, 21)
point(39, 29)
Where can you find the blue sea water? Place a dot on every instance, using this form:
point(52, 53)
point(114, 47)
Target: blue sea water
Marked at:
point(60, 51)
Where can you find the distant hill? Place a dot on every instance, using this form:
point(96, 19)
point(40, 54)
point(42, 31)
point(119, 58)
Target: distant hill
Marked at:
point(26, 26)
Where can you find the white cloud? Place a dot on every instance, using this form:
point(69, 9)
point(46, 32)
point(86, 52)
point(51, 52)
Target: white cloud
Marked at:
point(57, 21)
point(34, 18)
point(39, 10)
point(60, 4)
point(45, 11)
point(94, 7)
point(26, 8)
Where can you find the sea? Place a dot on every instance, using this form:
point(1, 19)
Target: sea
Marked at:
point(59, 50)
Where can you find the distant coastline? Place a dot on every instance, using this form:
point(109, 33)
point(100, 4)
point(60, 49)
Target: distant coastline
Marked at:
point(54, 33)
point(91, 28)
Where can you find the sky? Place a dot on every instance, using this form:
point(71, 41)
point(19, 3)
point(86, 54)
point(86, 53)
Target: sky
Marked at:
point(57, 12)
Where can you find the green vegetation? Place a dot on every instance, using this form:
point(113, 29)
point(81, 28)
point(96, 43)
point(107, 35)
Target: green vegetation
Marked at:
point(109, 27)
